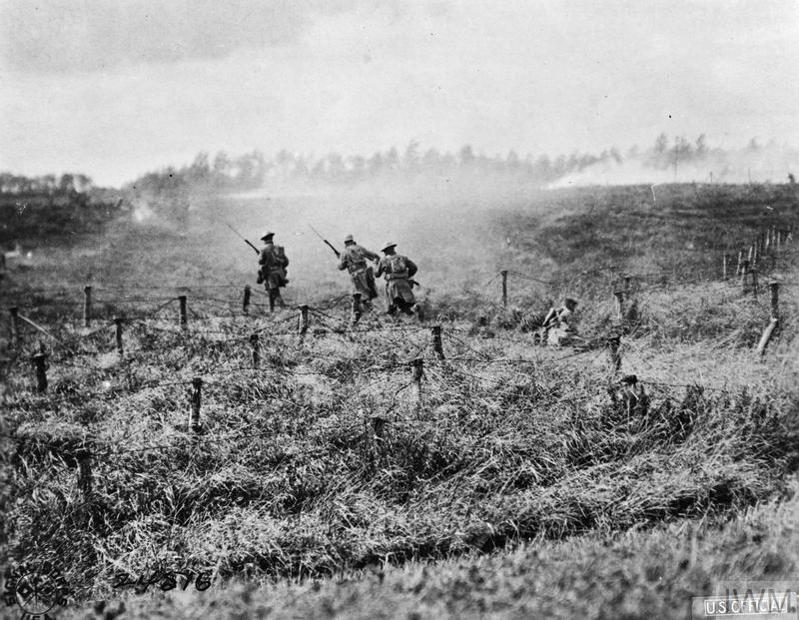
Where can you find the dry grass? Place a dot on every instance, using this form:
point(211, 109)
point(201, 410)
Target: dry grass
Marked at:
point(287, 479)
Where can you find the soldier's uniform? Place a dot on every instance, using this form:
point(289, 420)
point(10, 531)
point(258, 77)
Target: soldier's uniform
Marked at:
point(629, 397)
point(273, 261)
point(353, 259)
point(558, 327)
point(398, 271)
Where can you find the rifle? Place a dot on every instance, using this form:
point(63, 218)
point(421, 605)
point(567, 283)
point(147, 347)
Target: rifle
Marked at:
point(257, 251)
point(330, 245)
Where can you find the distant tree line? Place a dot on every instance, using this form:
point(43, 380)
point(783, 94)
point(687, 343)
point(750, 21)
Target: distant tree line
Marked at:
point(49, 184)
point(253, 169)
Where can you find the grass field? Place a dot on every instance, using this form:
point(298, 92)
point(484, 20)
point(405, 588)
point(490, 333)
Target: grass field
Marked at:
point(511, 487)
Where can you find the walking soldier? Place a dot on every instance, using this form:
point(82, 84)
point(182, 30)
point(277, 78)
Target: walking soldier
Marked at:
point(273, 261)
point(353, 259)
point(398, 271)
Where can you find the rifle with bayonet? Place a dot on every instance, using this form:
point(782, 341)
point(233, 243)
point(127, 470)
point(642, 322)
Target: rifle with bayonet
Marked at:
point(330, 245)
point(240, 236)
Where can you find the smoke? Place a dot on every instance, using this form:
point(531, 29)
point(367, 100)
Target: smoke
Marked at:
point(443, 217)
point(444, 224)
point(755, 164)
point(142, 211)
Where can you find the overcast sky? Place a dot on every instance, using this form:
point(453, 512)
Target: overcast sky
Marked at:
point(113, 88)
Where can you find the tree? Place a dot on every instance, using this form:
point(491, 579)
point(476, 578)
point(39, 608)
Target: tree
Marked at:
point(542, 169)
point(701, 148)
point(661, 144)
point(431, 161)
point(200, 169)
point(335, 166)
point(411, 158)
point(83, 183)
point(682, 148)
point(357, 166)
point(67, 183)
point(466, 155)
point(375, 164)
point(392, 159)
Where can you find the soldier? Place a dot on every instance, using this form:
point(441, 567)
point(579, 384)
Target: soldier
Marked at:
point(629, 396)
point(273, 261)
point(398, 271)
point(558, 326)
point(353, 259)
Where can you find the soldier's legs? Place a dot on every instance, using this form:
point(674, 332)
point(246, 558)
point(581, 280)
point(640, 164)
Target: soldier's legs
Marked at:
point(357, 308)
point(404, 306)
point(275, 299)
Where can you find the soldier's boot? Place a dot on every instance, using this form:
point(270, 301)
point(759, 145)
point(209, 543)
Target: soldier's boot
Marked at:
point(272, 297)
point(419, 312)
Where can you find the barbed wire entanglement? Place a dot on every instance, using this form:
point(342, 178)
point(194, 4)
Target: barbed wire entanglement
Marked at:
point(192, 323)
point(193, 350)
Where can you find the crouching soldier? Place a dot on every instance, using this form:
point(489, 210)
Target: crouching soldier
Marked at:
point(273, 262)
point(558, 327)
point(353, 259)
point(629, 397)
point(398, 271)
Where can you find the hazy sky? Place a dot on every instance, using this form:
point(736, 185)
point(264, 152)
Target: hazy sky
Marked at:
point(113, 88)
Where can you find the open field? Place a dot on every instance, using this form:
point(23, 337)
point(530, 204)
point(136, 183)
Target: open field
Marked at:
point(327, 481)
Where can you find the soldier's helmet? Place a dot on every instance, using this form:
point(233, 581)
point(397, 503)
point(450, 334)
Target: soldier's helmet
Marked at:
point(570, 303)
point(629, 380)
point(349, 239)
point(388, 246)
point(267, 235)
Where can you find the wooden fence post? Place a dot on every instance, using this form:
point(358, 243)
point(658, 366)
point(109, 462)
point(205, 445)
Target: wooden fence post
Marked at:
point(724, 266)
point(256, 350)
point(438, 347)
point(504, 274)
point(87, 305)
point(184, 319)
point(744, 275)
point(40, 364)
point(118, 320)
point(740, 263)
point(196, 401)
point(627, 280)
point(85, 473)
point(766, 337)
point(16, 339)
point(614, 344)
point(619, 295)
point(245, 304)
point(774, 287)
point(417, 372)
point(303, 327)
point(754, 284)
point(378, 426)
